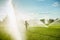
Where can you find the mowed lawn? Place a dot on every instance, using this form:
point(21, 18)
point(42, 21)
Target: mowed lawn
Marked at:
point(42, 33)
point(36, 33)
point(52, 32)
point(3, 34)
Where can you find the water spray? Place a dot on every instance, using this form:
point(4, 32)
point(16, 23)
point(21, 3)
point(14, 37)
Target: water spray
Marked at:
point(12, 26)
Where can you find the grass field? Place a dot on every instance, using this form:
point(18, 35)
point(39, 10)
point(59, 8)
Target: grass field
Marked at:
point(36, 33)
point(41, 33)
point(52, 32)
point(3, 34)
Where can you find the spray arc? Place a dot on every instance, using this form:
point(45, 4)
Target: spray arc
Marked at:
point(12, 26)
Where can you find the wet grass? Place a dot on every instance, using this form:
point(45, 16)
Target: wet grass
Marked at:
point(41, 33)
point(5, 36)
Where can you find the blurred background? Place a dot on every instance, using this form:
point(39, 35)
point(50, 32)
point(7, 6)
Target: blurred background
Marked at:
point(32, 15)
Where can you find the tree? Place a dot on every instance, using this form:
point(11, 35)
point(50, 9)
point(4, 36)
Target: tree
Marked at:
point(50, 21)
point(43, 20)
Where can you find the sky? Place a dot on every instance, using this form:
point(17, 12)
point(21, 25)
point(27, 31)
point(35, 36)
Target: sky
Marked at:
point(34, 9)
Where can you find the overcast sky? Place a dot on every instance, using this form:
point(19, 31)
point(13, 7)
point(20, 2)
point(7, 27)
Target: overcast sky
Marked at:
point(33, 8)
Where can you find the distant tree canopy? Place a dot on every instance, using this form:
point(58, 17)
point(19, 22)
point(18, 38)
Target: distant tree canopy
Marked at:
point(50, 21)
point(43, 20)
point(57, 18)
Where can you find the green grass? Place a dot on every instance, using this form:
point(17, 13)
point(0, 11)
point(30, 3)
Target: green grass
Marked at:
point(36, 33)
point(3, 33)
point(5, 36)
point(55, 25)
point(41, 33)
